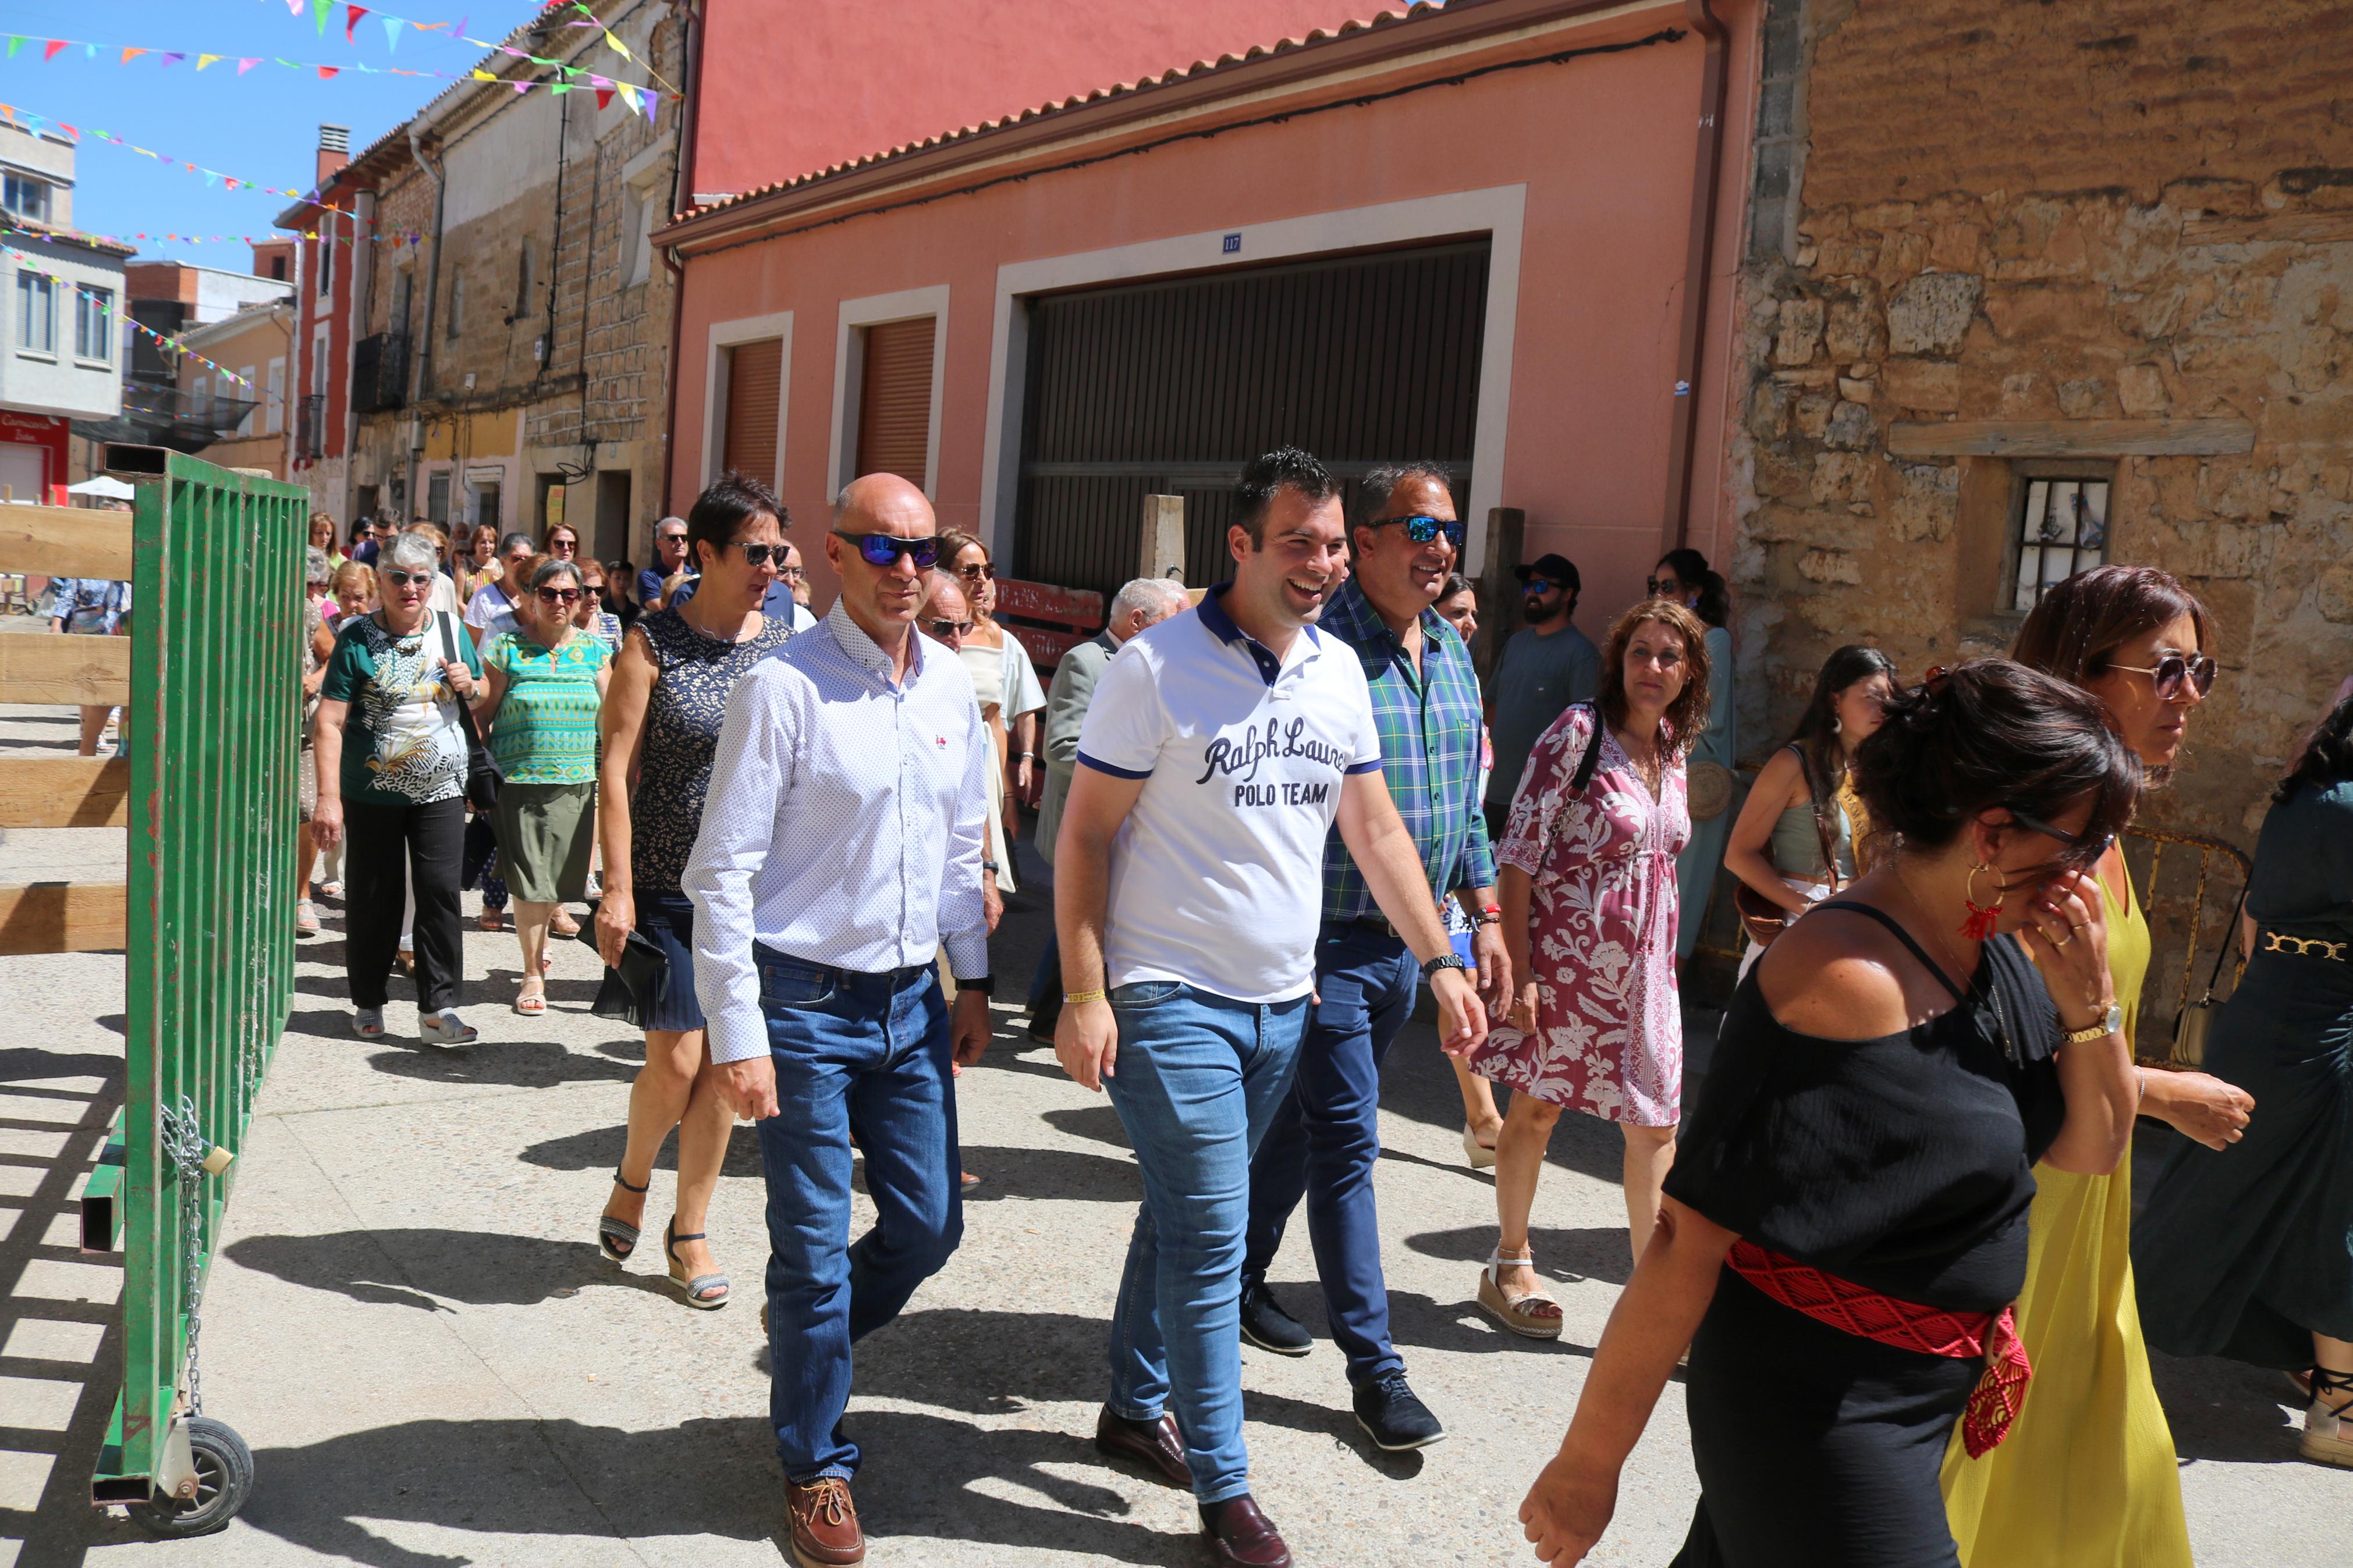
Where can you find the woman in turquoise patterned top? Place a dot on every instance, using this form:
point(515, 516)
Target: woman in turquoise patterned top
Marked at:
point(545, 683)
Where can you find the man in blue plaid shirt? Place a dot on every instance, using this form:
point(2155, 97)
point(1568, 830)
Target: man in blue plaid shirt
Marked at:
point(1325, 1139)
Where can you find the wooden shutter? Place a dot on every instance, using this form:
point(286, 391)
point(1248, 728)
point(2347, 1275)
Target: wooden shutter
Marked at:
point(755, 379)
point(894, 401)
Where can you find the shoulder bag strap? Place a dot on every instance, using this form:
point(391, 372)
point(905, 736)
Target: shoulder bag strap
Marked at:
point(1583, 778)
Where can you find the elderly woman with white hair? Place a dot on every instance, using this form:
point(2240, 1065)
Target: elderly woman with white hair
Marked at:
point(391, 758)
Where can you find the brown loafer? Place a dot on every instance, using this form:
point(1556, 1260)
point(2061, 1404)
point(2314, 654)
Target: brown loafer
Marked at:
point(1154, 1445)
point(825, 1523)
point(1238, 1534)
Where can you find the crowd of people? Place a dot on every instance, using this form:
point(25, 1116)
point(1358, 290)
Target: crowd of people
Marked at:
point(1277, 811)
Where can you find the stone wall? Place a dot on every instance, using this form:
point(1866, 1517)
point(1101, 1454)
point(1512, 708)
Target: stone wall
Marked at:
point(2107, 217)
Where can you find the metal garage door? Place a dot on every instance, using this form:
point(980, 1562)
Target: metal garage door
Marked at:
point(1168, 387)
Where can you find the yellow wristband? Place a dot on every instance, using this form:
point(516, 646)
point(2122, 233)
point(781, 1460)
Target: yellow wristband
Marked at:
point(1072, 998)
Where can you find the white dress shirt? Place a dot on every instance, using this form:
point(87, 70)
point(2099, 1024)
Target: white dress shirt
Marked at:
point(844, 823)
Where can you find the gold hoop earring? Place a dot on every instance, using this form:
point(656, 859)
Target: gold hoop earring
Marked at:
point(1979, 922)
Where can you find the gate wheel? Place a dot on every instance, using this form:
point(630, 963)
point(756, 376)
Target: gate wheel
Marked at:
point(224, 1481)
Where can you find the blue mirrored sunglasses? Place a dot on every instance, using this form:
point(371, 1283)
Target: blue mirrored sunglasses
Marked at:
point(884, 548)
point(1421, 528)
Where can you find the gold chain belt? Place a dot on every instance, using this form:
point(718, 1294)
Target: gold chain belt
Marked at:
point(2306, 946)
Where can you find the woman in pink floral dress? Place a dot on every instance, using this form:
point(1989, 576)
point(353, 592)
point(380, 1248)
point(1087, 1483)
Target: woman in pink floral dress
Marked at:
point(1586, 880)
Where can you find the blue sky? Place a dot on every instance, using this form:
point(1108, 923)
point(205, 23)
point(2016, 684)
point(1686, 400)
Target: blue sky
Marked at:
point(262, 126)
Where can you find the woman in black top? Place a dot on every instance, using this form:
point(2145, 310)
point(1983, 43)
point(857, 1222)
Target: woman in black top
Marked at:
point(1887, 1077)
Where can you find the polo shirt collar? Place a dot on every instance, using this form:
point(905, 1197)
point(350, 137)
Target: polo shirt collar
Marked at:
point(1221, 627)
point(866, 653)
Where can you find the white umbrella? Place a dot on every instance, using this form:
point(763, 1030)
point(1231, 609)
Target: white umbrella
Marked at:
point(103, 487)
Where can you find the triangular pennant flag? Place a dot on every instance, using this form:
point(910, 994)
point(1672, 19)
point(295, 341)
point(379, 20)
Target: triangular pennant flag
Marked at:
point(130, 55)
point(604, 98)
point(319, 8)
point(651, 101)
point(293, 7)
point(51, 52)
point(171, 60)
point(620, 47)
point(510, 49)
point(210, 176)
point(522, 86)
point(480, 75)
point(391, 31)
point(352, 19)
point(204, 60)
point(460, 29)
point(559, 86)
point(327, 73)
point(90, 51)
point(14, 43)
point(246, 63)
point(599, 81)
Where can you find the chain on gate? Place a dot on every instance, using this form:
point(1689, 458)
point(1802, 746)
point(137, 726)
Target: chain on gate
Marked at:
point(189, 1150)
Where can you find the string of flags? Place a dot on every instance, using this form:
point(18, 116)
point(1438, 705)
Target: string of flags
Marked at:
point(323, 12)
point(640, 98)
point(35, 265)
point(13, 113)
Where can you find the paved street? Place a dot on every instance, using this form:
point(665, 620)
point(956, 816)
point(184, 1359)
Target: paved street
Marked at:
point(412, 1327)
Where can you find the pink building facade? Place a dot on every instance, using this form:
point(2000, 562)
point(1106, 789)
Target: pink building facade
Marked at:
point(1511, 190)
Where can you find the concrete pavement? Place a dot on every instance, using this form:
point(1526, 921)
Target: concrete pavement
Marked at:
point(412, 1327)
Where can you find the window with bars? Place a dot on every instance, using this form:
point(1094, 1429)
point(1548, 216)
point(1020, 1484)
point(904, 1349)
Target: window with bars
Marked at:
point(2061, 528)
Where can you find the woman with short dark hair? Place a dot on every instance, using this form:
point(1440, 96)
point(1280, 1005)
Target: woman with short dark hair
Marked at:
point(1845, 1229)
point(1586, 875)
point(661, 728)
point(542, 684)
point(2247, 1253)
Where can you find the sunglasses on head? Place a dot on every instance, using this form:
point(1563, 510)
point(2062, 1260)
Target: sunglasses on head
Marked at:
point(884, 548)
point(400, 579)
point(943, 630)
point(2172, 670)
point(1422, 528)
point(559, 595)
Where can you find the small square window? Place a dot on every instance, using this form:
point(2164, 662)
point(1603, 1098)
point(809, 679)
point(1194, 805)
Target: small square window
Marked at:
point(2059, 529)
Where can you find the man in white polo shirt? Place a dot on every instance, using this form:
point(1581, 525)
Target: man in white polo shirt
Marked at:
point(1221, 747)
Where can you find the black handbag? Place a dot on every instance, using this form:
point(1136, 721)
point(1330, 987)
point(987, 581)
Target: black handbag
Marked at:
point(481, 772)
point(627, 994)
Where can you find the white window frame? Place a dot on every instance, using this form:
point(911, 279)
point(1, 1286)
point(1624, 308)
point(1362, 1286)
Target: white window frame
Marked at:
point(273, 418)
point(49, 189)
point(1497, 211)
point(849, 375)
point(641, 211)
point(244, 426)
point(726, 335)
point(36, 291)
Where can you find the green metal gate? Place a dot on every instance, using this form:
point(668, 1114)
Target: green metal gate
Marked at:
point(213, 727)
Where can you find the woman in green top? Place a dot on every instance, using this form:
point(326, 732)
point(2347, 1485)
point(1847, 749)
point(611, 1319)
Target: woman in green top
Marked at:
point(544, 683)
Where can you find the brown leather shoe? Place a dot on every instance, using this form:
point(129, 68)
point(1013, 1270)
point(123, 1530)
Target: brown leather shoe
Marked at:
point(1238, 1534)
point(1154, 1445)
point(825, 1523)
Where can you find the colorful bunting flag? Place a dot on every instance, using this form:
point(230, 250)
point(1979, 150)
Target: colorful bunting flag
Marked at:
point(352, 19)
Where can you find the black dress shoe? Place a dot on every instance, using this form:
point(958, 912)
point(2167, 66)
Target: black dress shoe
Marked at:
point(1266, 1325)
point(1154, 1445)
point(1392, 1417)
point(1238, 1534)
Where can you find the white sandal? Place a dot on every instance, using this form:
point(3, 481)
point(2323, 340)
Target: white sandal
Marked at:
point(1521, 1314)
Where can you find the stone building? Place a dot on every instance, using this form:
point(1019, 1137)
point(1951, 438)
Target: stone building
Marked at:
point(509, 322)
point(2026, 286)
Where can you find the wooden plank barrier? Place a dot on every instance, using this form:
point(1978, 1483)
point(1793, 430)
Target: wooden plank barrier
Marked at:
point(65, 542)
point(52, 670)
point(64, 792)
point(63, 917)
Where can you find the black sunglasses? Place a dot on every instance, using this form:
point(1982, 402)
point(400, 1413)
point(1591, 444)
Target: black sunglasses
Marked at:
point(757, 554)
point(2081, 850)
point(979, 571)
point(1539, 585)
point(943, 630)
point(2173, 669)
point(1657, 592)
point(884, 548)
point(1421, 528)
point(559, 595)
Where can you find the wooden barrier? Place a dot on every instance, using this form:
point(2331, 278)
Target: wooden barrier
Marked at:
point(65, 670)
point(65, 542)
point(64, 792)
point(63, 917)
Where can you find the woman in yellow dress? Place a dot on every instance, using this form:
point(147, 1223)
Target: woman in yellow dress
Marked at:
point(2087, 1478)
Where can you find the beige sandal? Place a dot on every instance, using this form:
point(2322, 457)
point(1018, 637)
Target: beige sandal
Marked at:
point(2328, 1427)
point(1524, 1314)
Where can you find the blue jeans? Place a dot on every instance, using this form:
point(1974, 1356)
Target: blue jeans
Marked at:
point(1196, 1081)
point(865, 1054)
point(1326, 1135)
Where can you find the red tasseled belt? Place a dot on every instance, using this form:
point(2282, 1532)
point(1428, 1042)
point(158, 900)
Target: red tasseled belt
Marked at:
point(1932, 1331)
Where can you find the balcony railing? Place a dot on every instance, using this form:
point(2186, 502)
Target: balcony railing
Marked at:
point(311, 427)
point(380, 373)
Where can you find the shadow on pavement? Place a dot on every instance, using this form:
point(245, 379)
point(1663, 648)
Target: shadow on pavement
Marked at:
point(1568, 1255)
point(2227, 1410)
point(424, 1268)
point(599, 1149)
point(1099, 1123)
point(1049, 1173)
point(515, 1064)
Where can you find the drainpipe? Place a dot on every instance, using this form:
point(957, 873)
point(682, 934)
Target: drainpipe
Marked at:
point(424, 373)
point(1706, 176)
point(356, 300)
point(681, 178)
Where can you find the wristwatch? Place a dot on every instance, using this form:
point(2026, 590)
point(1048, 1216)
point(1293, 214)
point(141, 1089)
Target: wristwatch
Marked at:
point(984, 984)
point(2112, 1023)
point(1443, 961)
